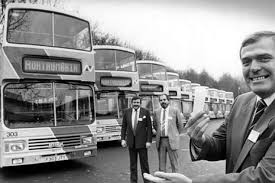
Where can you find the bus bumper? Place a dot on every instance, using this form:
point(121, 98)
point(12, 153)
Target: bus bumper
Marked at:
point(27, 159)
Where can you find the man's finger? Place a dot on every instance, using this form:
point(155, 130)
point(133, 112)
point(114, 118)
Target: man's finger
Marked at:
point(200, 127)
point(164, 175)
point(193, 128)
point(194, 119)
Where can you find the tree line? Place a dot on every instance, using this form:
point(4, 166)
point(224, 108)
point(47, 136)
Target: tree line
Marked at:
point(225, 82)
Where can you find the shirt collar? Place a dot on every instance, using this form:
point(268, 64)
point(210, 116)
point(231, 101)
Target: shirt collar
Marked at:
point(267, 100)
point(166, 109)
point(134, 109)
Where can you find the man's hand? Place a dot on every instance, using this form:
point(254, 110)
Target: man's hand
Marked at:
point(148, 144)
point(196, 127)
point(168, 178)
point(123, 143)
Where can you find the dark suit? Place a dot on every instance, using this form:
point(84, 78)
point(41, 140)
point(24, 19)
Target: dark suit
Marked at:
point(137, 143)
point(246, 161)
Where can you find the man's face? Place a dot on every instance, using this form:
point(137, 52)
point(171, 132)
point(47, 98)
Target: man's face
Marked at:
point(258, 65)
point(164, 102)
point(136, 103)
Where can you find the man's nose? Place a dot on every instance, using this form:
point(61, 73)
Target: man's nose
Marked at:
point(255, 66)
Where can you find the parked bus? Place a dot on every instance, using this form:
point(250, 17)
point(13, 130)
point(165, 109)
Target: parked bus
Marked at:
point(207, 100)
point(153, 82)
point(117, 82)
point(229, 97)
point(193, 86)
point(174, 90)
point(221, 104)
point(213, 110)
point(47, 86)
point(186, 98)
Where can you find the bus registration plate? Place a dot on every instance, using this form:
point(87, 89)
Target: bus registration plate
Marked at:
point(55, 158)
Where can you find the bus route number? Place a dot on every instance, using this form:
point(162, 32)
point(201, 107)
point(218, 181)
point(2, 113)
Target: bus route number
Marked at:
point(12, 134)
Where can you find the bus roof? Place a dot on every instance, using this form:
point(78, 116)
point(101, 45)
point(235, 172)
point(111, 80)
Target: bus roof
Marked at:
point(206, 87)
point(213, 89)
point(173, 73)
point(151, 62)
point(46, 8)
point(185, 80)
point(110, 47)
point(195, 84)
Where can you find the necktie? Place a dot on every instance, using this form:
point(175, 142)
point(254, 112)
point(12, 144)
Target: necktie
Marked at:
point(260, 107)
point(135, 122)
point(163, 123)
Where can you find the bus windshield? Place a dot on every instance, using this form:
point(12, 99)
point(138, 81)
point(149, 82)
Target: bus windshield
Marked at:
point(124, 102)
point(175, 104)
point(173, 81)
point(48, 29)
point(147, 103)
point(152, 71)
point(115, 60)
point(107, 105)
point(47, 104)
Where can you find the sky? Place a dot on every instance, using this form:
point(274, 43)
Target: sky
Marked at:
point(184, 34)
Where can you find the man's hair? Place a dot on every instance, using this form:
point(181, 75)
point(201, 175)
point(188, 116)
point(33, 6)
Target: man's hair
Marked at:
point(136, 98)
point(167, 96)
point(255, 37)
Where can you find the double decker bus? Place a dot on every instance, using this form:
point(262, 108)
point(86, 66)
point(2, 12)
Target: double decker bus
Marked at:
point(229, 98)
point(206, 108)
point(186, 98)
point(153, 82)
point(116, 83)
point(47, 86)
point(221, 104)
point(193, 86)
point(213, 106)
point(174, 90)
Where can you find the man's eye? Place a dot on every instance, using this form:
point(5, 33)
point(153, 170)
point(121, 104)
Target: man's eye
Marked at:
point(246, 62)
point(264, 59)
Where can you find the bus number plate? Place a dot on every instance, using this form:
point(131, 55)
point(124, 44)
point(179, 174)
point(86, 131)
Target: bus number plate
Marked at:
point(55, 158)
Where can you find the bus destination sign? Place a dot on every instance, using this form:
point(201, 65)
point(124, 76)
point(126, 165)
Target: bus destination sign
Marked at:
point(115, 81)
point(51, 66)
point(173, 93)
point(151, 88)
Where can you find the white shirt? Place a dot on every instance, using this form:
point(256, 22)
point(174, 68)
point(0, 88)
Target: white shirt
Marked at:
point(267, 100)
point(133, 116)
point(166, 119)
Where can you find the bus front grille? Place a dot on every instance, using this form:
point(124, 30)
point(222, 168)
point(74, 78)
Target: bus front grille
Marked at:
point(54, 142)
point(111, 129)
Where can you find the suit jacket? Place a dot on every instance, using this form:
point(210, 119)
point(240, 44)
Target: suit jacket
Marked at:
point(143, 129)
point(246, 161)
point(175, 127)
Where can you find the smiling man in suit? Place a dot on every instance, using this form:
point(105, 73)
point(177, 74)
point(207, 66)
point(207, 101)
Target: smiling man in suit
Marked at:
point(246, 140)
point(168, 125)
point(136, 133)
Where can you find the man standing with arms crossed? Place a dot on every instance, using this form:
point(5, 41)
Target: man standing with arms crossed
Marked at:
point(168, 124)
point(246, 140)
point(136, 133)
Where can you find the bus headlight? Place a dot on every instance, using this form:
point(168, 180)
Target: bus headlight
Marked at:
point(15, 146)
point(87, 140)
point(99, 129)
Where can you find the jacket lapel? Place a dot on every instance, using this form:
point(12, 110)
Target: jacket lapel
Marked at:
point(130, 119)
point(259, 128)
point(240, 127)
